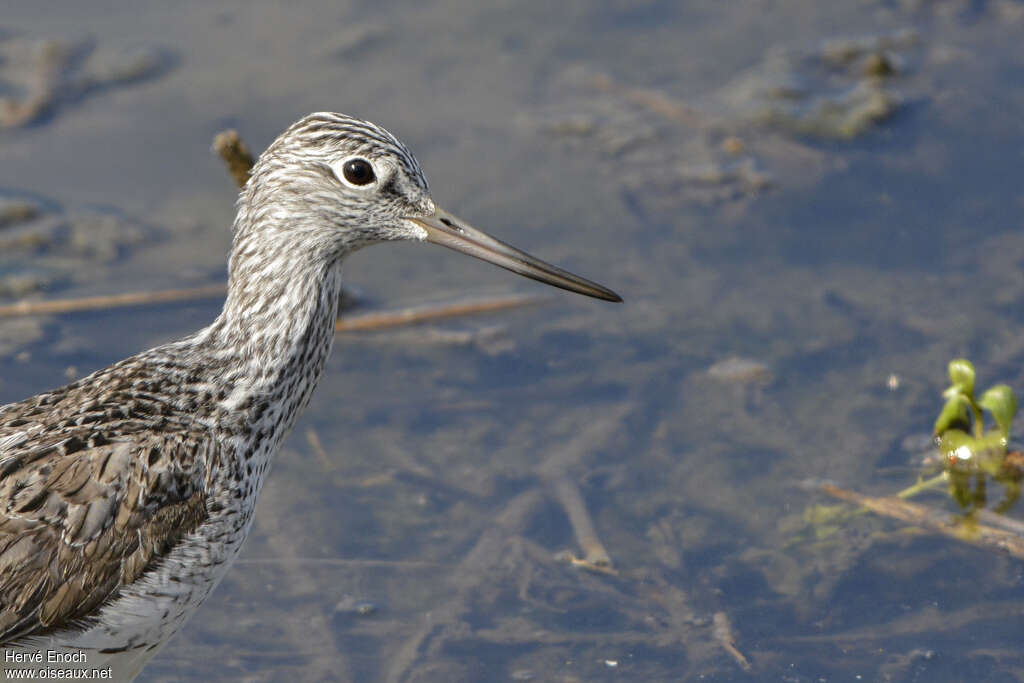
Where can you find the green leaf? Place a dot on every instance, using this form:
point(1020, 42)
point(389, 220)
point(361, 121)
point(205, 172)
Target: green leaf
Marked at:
point(961, 373)
point(1002, 403)
point(953, 415)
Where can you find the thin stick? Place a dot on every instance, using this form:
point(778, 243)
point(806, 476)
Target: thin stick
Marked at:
point(235, 153)
point(93, 303)
point(313, 439)
point(594, 553)
point(555, 472)
point(418, 314)
point(969, 531)
point(721, 631)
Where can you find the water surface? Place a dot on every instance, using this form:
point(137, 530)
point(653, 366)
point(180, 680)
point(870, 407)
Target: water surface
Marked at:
point(736, 172)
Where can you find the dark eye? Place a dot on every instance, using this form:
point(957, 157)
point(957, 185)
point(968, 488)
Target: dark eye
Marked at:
point(358, 172)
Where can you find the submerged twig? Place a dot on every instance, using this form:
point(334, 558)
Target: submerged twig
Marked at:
point(721, 631)
point(315, 445)
point(595, 556)
point(969, 531)
point(93, 303)
point(555, 472)
point(418, 314)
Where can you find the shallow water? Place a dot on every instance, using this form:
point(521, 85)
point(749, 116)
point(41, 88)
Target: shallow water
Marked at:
point(731, 171)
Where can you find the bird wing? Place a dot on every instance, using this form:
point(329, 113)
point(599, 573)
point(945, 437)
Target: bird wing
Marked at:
point(97, 485)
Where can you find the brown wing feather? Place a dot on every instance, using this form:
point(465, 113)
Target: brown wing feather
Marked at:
point(93, 493)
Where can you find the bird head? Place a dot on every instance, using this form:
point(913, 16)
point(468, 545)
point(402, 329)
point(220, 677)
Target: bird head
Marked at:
point(337, 183)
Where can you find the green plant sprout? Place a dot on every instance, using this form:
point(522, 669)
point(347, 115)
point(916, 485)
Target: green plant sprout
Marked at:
point(971, 454)
point(968, 450)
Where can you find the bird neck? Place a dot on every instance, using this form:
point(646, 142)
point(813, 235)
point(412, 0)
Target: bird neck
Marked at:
point(270, 343)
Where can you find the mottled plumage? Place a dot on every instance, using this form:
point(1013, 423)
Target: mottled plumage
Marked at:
point(125, 496)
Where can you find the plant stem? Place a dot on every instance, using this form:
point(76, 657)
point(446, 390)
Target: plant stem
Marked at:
point(978, 426)
point(923, 485)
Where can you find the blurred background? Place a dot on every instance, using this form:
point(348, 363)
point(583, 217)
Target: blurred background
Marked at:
point(809, 209)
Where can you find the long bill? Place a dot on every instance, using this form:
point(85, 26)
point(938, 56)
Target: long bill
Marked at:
point(445, 229)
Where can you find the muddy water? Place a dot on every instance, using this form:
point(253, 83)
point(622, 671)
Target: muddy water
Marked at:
point(808, 207)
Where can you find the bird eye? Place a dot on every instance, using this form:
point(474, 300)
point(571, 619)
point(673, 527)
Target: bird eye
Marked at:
point(358, 172)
